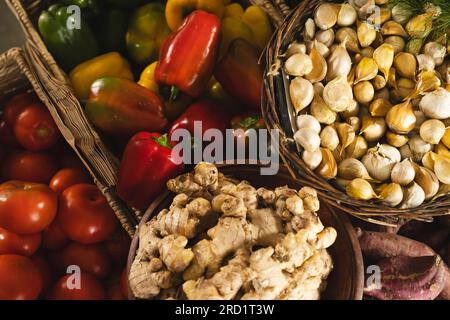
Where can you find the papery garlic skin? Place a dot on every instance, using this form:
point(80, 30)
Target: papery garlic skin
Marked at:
point(436, 51)
point(427, 180)
point(298, 65)
point(432, 131)
point(308, 139)
point(391, 194)
point(351, 169)
point(414, 196)
point(380, 160)
point(403, 173)
point(308, 121)
point(360, 189)
point(301, 92)
point(347, 15)
point(338, 94)
point(329, 138)
point(295, 48)
point(436, 104)
point(418, 148)
point(442, 169)
point(312, 159)
point(425, 62)
point(326, 15)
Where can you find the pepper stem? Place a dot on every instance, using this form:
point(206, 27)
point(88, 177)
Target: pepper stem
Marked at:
point(163, 141)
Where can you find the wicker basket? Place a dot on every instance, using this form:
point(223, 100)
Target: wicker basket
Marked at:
point(78, 131)
point(17, 75)
point(278, 114)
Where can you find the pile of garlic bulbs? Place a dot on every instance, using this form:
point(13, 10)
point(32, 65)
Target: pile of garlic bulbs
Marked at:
point(370, 88)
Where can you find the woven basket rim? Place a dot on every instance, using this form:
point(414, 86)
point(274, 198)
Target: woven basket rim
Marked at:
point(272, 86)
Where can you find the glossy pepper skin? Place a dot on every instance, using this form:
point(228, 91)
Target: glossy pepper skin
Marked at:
point(146, 33)
point(121, 107)
point(211, 115)
point(252, 25)
point(176, 10)
point(240, 74)
point(70, 46)
point(107, 65)
point(146, 166)
point(188, 56)
point(90, 8)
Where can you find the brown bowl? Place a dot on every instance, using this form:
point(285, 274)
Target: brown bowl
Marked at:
point(345, 282)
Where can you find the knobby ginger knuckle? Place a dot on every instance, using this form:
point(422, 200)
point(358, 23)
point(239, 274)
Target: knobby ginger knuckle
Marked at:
point(224, 239)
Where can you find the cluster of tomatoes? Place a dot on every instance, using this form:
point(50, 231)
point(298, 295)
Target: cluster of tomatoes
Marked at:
point(59, 239)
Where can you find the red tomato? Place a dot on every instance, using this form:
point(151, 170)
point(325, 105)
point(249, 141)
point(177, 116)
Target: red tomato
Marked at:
point(16, 104)
point(7, 137)
point(124, 282)
point(35, 129)
point(114, 292)
point(29, 166)
point(118, 246)
point(53, 238)
point(26, 208)
point(68, 177)
point(45, 271)
point(91, 258)
point(67, 288)
point(85, 215)
point(20, 279)
point(22, 244)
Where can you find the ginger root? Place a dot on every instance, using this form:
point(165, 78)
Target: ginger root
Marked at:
point(224, 239)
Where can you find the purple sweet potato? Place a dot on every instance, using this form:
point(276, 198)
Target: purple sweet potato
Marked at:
point(377, 245)
point(409, 278)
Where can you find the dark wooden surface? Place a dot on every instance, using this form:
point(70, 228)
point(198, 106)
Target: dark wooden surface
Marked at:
point(346, 281)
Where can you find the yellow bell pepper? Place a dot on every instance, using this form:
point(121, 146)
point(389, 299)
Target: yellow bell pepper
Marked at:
point(177, 10)
point(107, 65)
point(147, 79)
point(252, 25)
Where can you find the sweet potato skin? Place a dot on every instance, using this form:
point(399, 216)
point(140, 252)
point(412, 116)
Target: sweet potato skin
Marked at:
point(378, 245)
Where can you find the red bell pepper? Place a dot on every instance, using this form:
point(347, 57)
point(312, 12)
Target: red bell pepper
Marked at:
point(187, 57)
point(211, 115)
point(146, 166)
point(240, 74)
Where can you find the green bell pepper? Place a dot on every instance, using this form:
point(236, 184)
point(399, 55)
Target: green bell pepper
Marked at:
point(90, 8)
point(70, 43)
point(110, 29)
point(146, 32)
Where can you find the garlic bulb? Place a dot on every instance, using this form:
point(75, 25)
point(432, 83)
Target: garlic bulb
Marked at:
point(405, 64)
point(442, 150)
point(442, 168)
point(347, 15)
point(301, 92)
point(414, 196)
point(346, 135)
point(373, 128)
point(366, 34)
point(380, 107)
point(396, 42)
point(384, 57)
point(432, 131)
point(326, 37)
point(318, 88)
point(401, 13)
point(352, 110)
point(309, 30)
point(379, 82)
point(427, 180)
point(298, 65)
point(329, 138)
point(380, 160)
point(396, 140)
point(307, 121)
point(321, 48)
point(420, 118)
point(328, 167)
point(383, 93)
point(357, 149)
point(425, 62)
point(405, 151)
point(360, 189)
point(295, 48)
point(355, 122)
point(319, 65)
point(403, 173)
point(391, 194)
point(446, 138)
point(312, 159)
point(436, 51)
point(308, 139)
point(436, 104)
point(428, 160)
point(367, 69)
point(364, 92)
point(321, 111)
point(418, 148)
point(339, 63)
point(326, 15)
point(350, 37)
point(392, 28)
point(351, 169)
point(401, 118)
point(338, 94)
